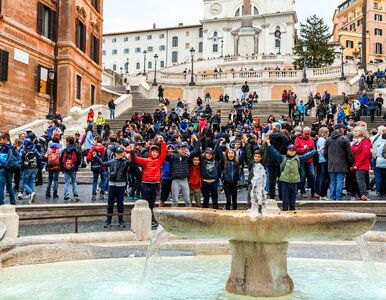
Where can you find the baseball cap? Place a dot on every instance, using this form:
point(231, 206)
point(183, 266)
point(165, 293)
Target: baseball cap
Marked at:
point(291, 147)
point(119, 149)
point(182, 145)
point(339, 126)
point(209, 150)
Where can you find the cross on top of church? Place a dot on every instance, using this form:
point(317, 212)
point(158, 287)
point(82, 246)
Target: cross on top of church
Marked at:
point(247, 8)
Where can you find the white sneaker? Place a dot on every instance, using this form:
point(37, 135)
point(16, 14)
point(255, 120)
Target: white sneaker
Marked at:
point(32, 198)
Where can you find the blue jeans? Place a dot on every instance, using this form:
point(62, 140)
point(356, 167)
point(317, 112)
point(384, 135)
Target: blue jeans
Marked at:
point(6, 181)
point(70, 177)
point(322, 179)
point(102, 184)
point(377, 175)
point(53, 179)
point(307, 170)
point(288, 193)
point(29, 180)
point(112, 114)
point(336, 185)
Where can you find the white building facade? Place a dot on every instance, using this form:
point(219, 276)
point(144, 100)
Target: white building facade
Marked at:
point(229, 27)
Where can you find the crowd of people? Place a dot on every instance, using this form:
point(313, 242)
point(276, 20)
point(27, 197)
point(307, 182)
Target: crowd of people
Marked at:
point(194, 155)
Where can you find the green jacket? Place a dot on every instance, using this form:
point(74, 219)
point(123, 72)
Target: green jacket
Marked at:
point(291, 170)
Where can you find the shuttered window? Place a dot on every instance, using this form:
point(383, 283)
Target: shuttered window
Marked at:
point(96, 4)
point(43, 80)
point(80, 35)
point(94, 49)
point(46, 22)
point(4, 65)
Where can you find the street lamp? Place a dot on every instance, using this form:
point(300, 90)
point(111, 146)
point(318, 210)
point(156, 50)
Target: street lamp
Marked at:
point(192, 52)
point(342, 77)
point(155, 70)
point(222, 48)
point(144, 62)
point(51, 76)
point(305, 80)
point(360, 57)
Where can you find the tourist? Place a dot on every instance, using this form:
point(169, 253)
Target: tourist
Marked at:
point(372, 108)
point(96, 169)
point(230, 176)
point(320, 112)
point(6, 174)
point(166, 179)
point(381, 163)
point(257, 183)
point(207, 97)
point(364, 101)
point(379, 101)
point(375, 140)
point(361, 149)
point(100, 122)
point(291, 103)
point(331, 111)
point(245, 90)
point(88, 142)
point(71, 159)
point(160, 93)
point(53, 166)
point(284, 96)
point(112, 106)
point(195, 181)
point(90, 117)
point(118, 167)
point(322, 177)
point(106, 134)
point(302, 110)
point(290, 165)
point(339, 156)
point(210, 175)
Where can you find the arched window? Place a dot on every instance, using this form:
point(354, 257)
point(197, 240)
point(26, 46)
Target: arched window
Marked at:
point(175, 41)
point(237, 14)
point(162, 64)
point(201, 32)
point(114, 67)
point(200, 47)
point(215, 42)
point(149, 65)
point(240, 11)
point(174, 57)
point(127, 67)
point(255, 11)
point(138, 66)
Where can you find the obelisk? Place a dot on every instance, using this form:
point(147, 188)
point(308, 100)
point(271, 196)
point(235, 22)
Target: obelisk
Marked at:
point(247, 38)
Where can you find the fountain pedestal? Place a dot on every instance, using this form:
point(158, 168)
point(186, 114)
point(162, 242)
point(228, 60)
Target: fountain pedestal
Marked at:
point(259, 269)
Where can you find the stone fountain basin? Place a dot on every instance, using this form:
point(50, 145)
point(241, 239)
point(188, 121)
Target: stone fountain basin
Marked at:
point(311, 225)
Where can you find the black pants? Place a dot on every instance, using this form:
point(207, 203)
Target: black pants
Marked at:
point(116, 194)
point(379, 110)
point(16, 181)
point(210, 190)
point(372, 114)
point(149, 193)
point(166, 188)
point(137, 180)
point(274, 173)
point(216, 127)
point(290, 109)
point(330, 117)
point(230, 190)
point(289, 192)
point(383, 186)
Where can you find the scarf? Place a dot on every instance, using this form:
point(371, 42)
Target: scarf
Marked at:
point(357, 141)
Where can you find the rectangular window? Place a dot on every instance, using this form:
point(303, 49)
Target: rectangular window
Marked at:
point(137, 50)
point(94, 49)
point(126, 51)
point(149, 49)
point(114, 40)
point(46, 22)
point(352, 27)
point(378, 31)
point(114, 52)
point(96, 4)
point(125, 39)
point(359, 22)
point(175, 41)
point(162, 48)
point(162, 36)
point(149, 37)
point(174, 57)
point(215, 48)
point(378, 17)
point(187, 46)
point(137, 38)
point(80, 35)
point(277, 43)
point(200, 47)
point(187, 33)
point(378, 48)
point(104, 52)
point(4, 56)
point(42, 80)
point(92, 94)
point(78, 87)
point(103, 41)
point(349, 44)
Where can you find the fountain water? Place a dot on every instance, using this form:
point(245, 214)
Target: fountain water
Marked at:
point(259, 244)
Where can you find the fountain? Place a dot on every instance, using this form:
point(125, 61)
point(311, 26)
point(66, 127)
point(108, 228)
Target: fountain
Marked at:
point(259, 244)
point(3, 230)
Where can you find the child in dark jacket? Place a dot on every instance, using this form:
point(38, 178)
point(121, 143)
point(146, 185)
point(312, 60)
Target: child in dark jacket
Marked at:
point(118, 167)
point(290, 172)
point(166, 179)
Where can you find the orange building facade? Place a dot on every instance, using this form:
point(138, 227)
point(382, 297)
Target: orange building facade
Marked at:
point(39, 37)
point(348, 20)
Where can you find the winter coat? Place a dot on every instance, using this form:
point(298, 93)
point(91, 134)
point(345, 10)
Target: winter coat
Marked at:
point(362, 153)
point(99, 148)
point(118, 170)
point(304, 146)
point(201, 124)
point(381, 162)
point(338, 153)
point(28, 146)
point(151, 167)
point(280, 142)
point(100, 121)
point(364, 99)
point(165, 173)
point(89, 141)
point(195, 181)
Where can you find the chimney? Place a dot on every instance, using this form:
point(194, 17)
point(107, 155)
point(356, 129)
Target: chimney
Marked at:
point(154, 26)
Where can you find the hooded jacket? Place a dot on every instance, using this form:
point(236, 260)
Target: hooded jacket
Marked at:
point(99, 148)
point(304, 146)
point(280, 142)
point(71, 148)
point(28, 146)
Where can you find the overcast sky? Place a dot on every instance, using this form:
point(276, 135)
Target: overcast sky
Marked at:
point(127, 15)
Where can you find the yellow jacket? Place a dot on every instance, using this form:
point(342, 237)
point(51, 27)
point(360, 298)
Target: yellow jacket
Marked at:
point(100, 120)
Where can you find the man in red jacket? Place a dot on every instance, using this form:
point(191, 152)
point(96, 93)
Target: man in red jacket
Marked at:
point(304, 144)
point(202, 122)
point(151, 176)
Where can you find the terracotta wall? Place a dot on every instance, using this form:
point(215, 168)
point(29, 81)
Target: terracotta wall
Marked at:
point(277, 91)
point(215, 93)
point(332, 88)
point(173, 93)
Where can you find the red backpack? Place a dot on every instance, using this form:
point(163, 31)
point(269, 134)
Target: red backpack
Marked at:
point(69, 161)
point(53, 160)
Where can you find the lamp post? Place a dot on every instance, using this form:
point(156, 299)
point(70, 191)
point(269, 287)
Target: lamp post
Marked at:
point(360, 55)
point(192, 52)
point(51, 76)
point(305, 80)
point(144, 62)
point(222, 48)
point(155, 70)
point(342, 77)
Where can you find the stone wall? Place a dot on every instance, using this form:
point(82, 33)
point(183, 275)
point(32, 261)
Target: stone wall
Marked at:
point(215, 93)
point(173, 93)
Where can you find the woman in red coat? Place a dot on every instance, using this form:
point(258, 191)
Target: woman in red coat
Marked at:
point(361, 149)
point(151, 176)
point(90, 117)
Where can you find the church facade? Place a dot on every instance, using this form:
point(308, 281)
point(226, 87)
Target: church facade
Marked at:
point(228, 27)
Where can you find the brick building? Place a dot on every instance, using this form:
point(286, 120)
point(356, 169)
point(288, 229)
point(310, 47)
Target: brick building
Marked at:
point(37, 36)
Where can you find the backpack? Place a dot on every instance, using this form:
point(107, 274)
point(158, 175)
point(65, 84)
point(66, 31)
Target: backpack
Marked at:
point(3, 159)
point(53, 160)
point(282, 165)
point(30, 160)
point(94, 164)
point(69, 160)
point(10, 161)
